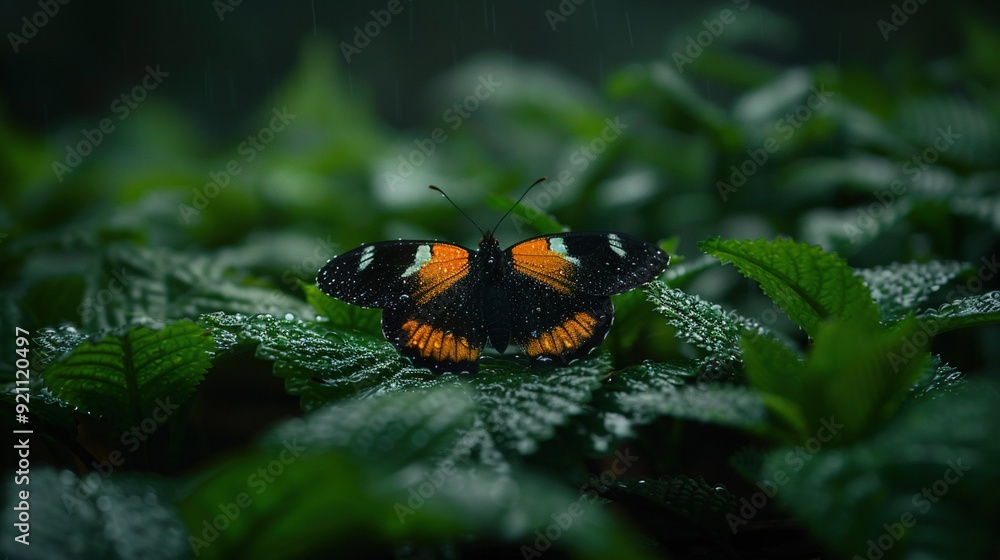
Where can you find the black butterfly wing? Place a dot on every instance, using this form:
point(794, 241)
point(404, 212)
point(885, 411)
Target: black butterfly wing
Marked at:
point(427, 292)
point(559, 285)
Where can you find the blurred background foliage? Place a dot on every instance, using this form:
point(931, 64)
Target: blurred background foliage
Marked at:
point(269, 147)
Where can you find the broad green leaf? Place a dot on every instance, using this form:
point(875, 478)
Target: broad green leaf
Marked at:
point(966, 312)
point(319, 362)
point(517, 406)
point(704, 325)
point(921, 487)
point(523, 408)
point(779, 376)
point(125, 378)
point(95, 518)
point(809, 284)
point(391, 429)
point(900, 288)
point(859, 389)
point(643, 393)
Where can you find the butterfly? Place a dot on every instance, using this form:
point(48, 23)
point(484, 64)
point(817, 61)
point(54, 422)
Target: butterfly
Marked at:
point(442, 303)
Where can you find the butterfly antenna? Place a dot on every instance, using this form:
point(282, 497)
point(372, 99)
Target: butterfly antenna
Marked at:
point(526, 191)
point(432, 187)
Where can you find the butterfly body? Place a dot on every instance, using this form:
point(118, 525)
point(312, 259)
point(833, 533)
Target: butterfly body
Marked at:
point(443, 303)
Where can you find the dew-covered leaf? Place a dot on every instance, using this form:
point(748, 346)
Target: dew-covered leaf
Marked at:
point(522, 408)
point(391, 429)
point(124, 378)
point(966, 312)
point(518, 406)
point(901, 287)
point(704, 325)
point(938, 379)
point(640, 394)
point(809, 284)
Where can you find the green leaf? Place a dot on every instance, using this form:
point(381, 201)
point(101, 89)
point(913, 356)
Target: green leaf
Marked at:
point(393, 429)
point(901, 287)
point(342, 314)
point(517, 406)
point(95, 518)
point(921, 486)
point(319, 362)
point(124, 378)
point(779, 375)
point(523, 408)
point(642, 393)
point(809, 284)
point(966, 312)
point(858, 389)
point(704, 325)
point(938, 379)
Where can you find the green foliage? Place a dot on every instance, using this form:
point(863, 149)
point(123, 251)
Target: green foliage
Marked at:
point(125, 378)
point(811, 286)
point(916, 485)
point(302, 432)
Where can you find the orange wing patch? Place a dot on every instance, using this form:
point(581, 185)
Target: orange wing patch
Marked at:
point(537, 260)
point(572, 333)
point(437, 345)
point(440, 269)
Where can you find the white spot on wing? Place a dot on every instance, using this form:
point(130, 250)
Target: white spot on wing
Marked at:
point(558, 245)
point(615, 243)
point(423, 257)
point(367, 256)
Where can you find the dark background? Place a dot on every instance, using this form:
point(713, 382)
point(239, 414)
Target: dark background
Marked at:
point(220, 71)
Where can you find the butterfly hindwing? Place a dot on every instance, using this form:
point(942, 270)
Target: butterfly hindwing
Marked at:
point(551, 325)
